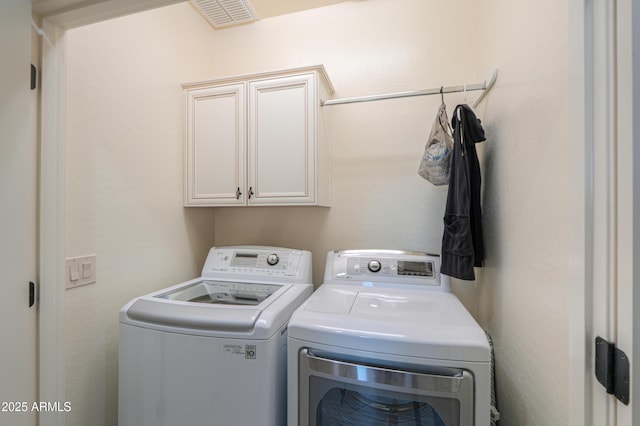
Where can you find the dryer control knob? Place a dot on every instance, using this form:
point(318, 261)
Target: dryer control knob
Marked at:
point(273, 259)
point(374, 265)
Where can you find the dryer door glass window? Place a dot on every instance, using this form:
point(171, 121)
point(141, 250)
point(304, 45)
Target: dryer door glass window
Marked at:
point(347, 405)
point(346, 393)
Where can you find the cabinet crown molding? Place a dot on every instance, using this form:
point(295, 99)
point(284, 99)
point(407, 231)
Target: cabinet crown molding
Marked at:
point(322, 73)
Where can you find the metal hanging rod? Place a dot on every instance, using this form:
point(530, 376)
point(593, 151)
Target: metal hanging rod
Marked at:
point(484, 86)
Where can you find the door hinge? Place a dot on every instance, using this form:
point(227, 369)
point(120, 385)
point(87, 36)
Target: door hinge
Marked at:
point(612, 369)
point(32, 293)
point(34, 77)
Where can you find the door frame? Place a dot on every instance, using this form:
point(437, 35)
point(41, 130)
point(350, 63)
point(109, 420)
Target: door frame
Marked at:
point(607, 184)
point(51, 366)
point(628, 177)
point(579, 386)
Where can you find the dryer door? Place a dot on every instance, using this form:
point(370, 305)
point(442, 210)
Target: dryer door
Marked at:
point(351, 394)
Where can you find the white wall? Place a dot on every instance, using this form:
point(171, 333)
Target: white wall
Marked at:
point(125, 168)
point(124, 184)
point(381, 46)
point(528, 206)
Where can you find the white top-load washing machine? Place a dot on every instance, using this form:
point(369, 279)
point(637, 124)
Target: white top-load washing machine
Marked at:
point(212, 350)
point(384, 341)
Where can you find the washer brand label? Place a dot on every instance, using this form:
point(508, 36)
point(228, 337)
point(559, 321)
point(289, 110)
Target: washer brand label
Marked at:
point(234, 349)
point(249, 351)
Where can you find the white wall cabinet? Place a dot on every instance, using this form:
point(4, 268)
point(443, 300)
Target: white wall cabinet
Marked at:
point(259, 140)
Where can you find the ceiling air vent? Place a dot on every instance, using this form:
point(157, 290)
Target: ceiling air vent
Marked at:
point(223, 13)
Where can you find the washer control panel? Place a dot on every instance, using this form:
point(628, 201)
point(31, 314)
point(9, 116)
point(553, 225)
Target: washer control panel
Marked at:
point(265, 261)
point(253, 259)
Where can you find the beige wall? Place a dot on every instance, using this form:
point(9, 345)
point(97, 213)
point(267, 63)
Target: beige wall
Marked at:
point(378, 199)
point(124, 171)
point(124, 184)
point(528, 206)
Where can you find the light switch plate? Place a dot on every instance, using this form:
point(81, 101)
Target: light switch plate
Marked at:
point(81, 271)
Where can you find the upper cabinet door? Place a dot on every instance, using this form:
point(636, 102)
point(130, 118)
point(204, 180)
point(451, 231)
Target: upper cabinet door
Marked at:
point(282, 140)
point(262, 139)
point(215, 157)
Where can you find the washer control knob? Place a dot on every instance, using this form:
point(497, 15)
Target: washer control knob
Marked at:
point(374, 265)
point(273, 259)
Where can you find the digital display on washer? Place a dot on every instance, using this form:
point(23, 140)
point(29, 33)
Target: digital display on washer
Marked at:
point(249, 255)
point(244, 259)
point(413, 268)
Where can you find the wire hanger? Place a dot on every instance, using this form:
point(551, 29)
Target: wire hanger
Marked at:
point(442, 93)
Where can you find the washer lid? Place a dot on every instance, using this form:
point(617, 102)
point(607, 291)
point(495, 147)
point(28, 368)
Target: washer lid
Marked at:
point(222, 293)
point(193, 317)
point(399, 322)
point(205, 304)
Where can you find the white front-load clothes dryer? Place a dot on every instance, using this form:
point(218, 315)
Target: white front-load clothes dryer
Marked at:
point(212, 350)
point(384, 341)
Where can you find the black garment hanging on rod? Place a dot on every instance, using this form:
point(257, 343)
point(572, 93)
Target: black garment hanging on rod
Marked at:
point(462, 241)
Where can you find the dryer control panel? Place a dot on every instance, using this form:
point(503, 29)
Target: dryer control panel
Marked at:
point(257, 261)
point(389, 266)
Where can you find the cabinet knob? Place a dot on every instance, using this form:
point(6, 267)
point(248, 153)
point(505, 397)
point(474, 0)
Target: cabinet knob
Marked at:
point(250, 192)
point(238, 193)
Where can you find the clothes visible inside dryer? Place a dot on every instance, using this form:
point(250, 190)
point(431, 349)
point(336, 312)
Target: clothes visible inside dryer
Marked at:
point(343, 407)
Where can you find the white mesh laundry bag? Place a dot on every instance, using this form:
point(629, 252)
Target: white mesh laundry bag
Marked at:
point(435, 165)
